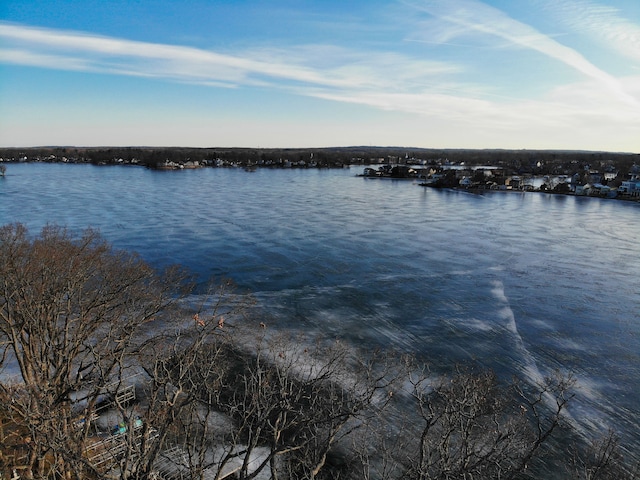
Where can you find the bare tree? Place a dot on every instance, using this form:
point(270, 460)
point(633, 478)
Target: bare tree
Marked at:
point(70, 309)
point(183, 368)
point(466, 431)
point(545, 406)
point(465, 425)
point(77, 317)
point(290, 401)
point(602, 459)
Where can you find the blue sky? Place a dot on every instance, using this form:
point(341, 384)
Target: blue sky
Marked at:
point(539, 74)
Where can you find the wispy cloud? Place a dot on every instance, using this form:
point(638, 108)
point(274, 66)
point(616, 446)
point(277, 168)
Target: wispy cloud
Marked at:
point(127, 57)
point(296, 67)
point(602, 23)
point(470, 16)
point(34, 59)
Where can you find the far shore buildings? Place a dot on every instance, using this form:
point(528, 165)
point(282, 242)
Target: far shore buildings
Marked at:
point(631, 187)
point(586, 181)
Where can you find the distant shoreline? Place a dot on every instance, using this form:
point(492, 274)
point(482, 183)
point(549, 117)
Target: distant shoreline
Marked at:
point(601, 172)
point(482, 191)
point(520, 161)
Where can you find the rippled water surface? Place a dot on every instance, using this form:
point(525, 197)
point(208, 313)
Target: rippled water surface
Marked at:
point(523, 283)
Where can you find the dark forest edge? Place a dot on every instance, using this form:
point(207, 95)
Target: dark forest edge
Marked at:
point(118, 377)
point(518, 161)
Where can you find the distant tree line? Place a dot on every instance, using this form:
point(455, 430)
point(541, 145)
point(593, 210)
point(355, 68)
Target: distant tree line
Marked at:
point(115, 377)
point(516, 161)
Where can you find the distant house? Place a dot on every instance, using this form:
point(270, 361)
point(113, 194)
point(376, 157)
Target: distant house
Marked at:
point(630, 187)
point(583, 189)
point(463, 172)
point(595, 176)
point(600, 189)
point(465, 182)
point(575, 181)
point(513, 183)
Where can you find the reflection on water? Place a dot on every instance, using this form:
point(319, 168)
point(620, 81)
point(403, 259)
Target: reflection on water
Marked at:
point(522, 283)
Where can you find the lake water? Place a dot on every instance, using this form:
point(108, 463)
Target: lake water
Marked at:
point(523, 283)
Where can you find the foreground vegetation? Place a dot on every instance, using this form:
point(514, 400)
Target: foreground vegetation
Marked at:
point(109, 373)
